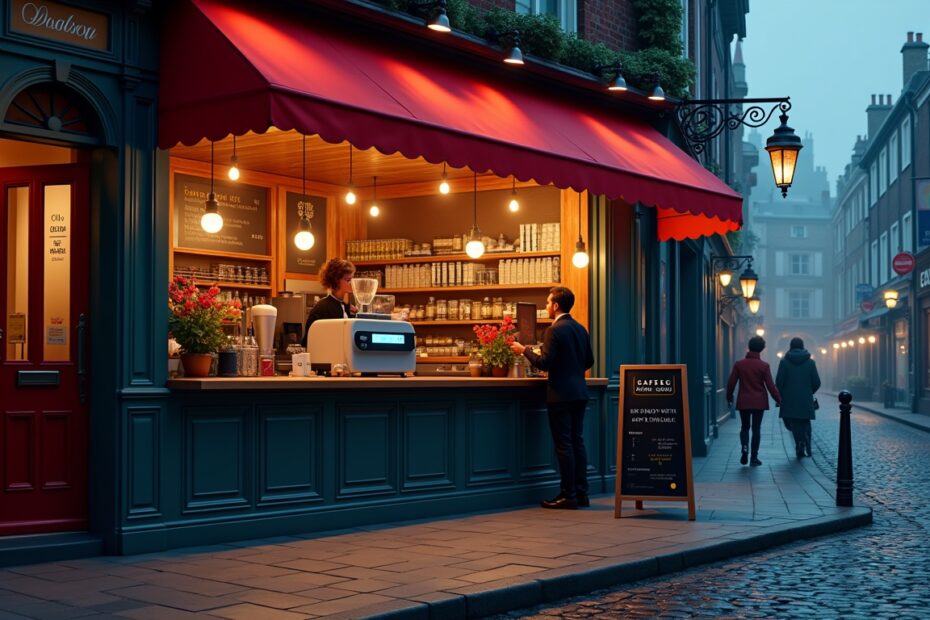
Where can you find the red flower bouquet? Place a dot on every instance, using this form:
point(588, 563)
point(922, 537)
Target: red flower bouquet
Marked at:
point(196, 317)
point(495, 343)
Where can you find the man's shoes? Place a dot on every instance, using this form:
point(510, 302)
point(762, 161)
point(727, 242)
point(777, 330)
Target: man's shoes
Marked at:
point(561, 502)
point(583, 501)
point(744, 457)
point(755, 462)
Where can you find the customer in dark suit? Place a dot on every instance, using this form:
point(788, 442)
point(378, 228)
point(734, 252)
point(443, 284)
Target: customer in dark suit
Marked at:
point(565, 355)
point(336, 275)
point(754, 377)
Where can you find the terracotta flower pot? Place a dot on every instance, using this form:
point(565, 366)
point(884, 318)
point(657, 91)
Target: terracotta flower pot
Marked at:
point(499, 371)
point(196, 364)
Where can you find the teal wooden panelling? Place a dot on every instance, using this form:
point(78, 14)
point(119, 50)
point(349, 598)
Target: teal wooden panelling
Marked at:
point(537, 453)
point(592, 437)
point(428, 446)
point(290, 451)
point(367, 438)
point(491, 442)
point(215, 462)
point(143, 456)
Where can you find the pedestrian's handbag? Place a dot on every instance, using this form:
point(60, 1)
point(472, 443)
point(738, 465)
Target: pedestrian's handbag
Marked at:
point(816, 404)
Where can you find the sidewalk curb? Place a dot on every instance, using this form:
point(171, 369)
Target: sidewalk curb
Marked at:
point(897, 418)
point(479, 601)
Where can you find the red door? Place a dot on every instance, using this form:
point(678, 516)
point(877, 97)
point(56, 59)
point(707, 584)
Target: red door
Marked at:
point(43, 345)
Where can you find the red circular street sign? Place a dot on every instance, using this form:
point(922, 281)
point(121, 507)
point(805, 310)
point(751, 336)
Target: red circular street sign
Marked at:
point(867, 306)
point(903, 263)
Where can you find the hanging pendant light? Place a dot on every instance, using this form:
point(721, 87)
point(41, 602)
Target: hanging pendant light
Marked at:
point(475, 246)
point(350, 192)
point(374, 210)
point(211, 221)
point(304, 238)
point(514, 205)
point(233, 164)
point(580, 258)
point(444, 183)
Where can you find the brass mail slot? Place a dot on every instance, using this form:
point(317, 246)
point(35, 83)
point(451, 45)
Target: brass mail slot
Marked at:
point(34, 378)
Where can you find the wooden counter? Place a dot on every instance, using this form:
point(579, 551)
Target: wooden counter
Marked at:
point(353, 383)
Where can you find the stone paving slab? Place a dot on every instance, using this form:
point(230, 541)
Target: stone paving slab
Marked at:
point(461, 567)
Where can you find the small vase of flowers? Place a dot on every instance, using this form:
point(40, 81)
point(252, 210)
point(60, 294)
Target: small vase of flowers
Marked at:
point(495, 344)
point(195, 321)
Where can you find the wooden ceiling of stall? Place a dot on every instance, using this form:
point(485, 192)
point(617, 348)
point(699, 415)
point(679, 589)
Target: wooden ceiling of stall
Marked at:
point(278, 152)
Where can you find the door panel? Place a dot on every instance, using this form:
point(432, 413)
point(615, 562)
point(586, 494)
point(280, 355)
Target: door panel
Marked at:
point(43, 295)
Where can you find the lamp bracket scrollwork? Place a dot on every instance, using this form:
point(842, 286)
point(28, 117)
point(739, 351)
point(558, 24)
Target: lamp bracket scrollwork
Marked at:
point(731, 263)
point(702, 120)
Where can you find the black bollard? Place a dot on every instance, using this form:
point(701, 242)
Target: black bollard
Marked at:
point(844, 470)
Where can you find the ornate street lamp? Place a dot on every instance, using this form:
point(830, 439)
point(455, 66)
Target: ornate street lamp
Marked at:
point(702, 120)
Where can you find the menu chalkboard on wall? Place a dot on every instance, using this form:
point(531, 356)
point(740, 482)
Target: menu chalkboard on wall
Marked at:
point(653, 437)
point(244, 209)
point(305, 261)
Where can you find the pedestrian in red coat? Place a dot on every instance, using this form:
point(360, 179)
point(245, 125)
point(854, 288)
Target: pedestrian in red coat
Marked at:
point(754, 377)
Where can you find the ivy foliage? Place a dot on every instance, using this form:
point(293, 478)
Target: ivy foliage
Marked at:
point(659, 37)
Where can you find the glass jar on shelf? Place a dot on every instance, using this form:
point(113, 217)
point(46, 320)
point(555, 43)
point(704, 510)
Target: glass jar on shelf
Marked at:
point(453, 310)
point(431, 309)
point(476, 310)
point(486, 308)
point(497, 308)
point(465, 310)
point(442, 309)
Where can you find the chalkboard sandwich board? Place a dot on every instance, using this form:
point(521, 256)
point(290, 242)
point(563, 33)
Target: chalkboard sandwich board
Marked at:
point(653, 440)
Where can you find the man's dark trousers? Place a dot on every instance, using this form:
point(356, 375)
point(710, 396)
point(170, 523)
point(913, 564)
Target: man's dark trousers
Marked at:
point(566, 422)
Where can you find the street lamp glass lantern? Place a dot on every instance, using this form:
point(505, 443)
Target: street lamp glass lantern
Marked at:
point(891, 298)
point(783, 147)
point(747, 281)
point(754, 303)
point(726, 276)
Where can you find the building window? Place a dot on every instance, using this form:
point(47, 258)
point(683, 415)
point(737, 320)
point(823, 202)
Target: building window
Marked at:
point(799, 304)
point(893, 158)
point(894, 242)
point(883, 258)
point(566, 11)
point(906, 143)
point(882, 172)
point(873, 263)
point(873, 184)
point(799, 232)
point(906, 233)
point(800, 264)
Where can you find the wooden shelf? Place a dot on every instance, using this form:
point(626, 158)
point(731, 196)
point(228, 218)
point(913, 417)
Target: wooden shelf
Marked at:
point(458, 359)
point(469, 322)
point(483, 287)
point(219, 254)
point(222, 284)
point(440, 258)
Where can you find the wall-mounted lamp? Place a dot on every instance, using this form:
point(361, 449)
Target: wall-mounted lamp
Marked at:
point(211, 221)
point(891, 298)
point(435, 11)
point(350, 197)
point(233, 172)
point(580, 258)
point(861, 339)
point(702, 120)
point(726, 267)
point(444, 182)
point(514, 204)
point(836, 345)
point(657, 93)
point(753, 303)
point(617, 83)
point(304, 238)
point(844, 345)
point(823, 351)
point(475, 246)
point(512, 55)
point(760, 331)
point(872, 339)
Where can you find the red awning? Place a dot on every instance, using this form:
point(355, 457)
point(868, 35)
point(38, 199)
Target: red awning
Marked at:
point(232, 68)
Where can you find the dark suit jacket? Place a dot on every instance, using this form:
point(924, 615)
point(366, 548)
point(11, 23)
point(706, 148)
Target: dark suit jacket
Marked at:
point(327, 308)
point(566, 355)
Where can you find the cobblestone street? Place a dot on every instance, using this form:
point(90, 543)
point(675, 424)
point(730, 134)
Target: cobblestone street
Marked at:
point(875, 572)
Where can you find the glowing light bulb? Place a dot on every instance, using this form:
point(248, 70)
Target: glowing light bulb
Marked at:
point(580, 259)
point(374, 211)
point(304, 240)
point(233, 173)
point(211, 222)
point(351, 198)
point(444, 186)
point(514, 205)
point(474, 248)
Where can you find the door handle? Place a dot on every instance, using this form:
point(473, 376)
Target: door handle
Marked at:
point(81, 370)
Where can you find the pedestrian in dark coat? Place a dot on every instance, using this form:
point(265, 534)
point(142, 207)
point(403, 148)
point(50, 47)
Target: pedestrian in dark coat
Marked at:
point(754, 377)
point(798, 381)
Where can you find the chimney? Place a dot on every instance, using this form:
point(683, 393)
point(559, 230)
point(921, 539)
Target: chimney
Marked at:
point(876, 114)
point(914, 56)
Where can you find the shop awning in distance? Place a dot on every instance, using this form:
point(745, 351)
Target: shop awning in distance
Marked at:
point(230, 67)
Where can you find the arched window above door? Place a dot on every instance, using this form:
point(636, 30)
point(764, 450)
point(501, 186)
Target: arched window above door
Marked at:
point(52, 111)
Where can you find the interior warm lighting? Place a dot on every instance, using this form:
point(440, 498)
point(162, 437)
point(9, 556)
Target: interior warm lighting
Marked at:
point(475, 246)
point(444, 183)
point(872, 339)
point(748, 280)
point(783, 147)
point(823, 351)
point(836, 345)
point(211, 221)
point(514, 205)
point(851, 342)
point(760, 332)
point(374, 210)
point(726, 276)
point(234, 164)
point(350, 197)
point(753, 303)
point(861, 339)
point(580, 258)
point(304, 238)
point(844, 345)
point(891, 298)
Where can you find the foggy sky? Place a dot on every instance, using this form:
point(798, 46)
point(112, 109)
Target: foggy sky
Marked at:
point(829, 56)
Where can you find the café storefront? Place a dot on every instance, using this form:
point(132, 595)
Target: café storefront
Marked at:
point(176, 462)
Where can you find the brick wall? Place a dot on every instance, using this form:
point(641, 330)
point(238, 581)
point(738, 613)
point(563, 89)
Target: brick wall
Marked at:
point(487, 5)
point(611, 22)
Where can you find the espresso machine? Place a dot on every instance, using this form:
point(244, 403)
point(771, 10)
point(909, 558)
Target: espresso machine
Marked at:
point(289, 328)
